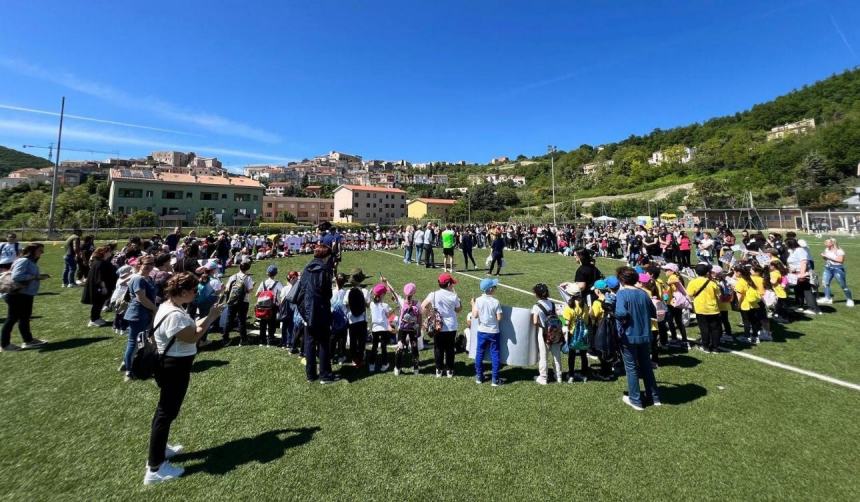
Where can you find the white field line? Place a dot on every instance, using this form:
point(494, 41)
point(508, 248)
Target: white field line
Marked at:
point(758, 359)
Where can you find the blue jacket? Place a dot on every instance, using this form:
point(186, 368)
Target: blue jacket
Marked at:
point(634, 311)
point(315, 288)
point(25, 271)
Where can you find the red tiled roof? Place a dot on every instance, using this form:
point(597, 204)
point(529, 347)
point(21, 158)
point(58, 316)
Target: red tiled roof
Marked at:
point(236, 181)
point(368, 188)
point(437, 201)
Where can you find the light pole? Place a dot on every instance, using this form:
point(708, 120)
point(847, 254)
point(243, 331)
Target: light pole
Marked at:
point(552, 149)
point(56, 168)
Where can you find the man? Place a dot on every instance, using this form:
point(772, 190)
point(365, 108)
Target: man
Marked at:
point(9, 252)
point(497, 253)
point(172, 240)
point(314, 303)
point(467, 243)
point(633, 312)
point(418, 239)
point(331, 238)
point(70, 260)
point(236, 294)
point(449, 240)
point(429, 239)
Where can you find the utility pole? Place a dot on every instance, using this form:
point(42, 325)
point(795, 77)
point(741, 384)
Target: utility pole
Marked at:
point(552, 149)
point(56, 169)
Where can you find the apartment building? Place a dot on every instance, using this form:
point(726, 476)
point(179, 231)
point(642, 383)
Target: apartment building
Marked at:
point(799, 127)
point(424, 207)
point(369, 204)
point(305, 209)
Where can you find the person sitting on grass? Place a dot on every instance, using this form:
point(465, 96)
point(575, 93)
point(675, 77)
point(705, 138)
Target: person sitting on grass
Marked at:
point(488, 312)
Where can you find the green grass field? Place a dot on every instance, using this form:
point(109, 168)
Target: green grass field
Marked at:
point(731, 428)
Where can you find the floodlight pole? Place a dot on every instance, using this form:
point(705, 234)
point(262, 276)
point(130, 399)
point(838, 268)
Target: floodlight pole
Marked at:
point(56, 168)
point(552, 149)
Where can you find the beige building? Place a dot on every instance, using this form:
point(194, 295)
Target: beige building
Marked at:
point(799, 127)
point(369, 204)
point(592, 167)
point(424, 207)
point(178, 159)
point(305, 209)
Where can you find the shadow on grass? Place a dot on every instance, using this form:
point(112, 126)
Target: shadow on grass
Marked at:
point(72, 343)
point(205, 364)
point(679, 360)
point(263, 448)
point(47, 293)
point(680, 393)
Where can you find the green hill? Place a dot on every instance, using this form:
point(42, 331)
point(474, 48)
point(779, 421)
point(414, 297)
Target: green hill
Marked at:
point(10, 160)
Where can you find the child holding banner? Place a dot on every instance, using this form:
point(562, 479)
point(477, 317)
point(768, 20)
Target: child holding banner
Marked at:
point(488, 312)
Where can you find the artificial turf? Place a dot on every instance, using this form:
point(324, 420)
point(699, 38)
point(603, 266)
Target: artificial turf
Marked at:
point(730, 428)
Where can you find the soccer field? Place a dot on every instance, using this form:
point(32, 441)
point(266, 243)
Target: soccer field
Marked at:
point(730, 428)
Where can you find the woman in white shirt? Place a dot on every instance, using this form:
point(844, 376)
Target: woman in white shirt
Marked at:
point(798, 263)
point(176, 335)
point(834, 268)
point(447, 303)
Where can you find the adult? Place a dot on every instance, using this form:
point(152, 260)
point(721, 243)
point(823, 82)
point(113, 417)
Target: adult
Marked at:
point(25, 273)
point(101, 281)
point(587, 273)
point(446, 302)
point(705, 249)
point(799, 264)
point(315, 308)
point(633, 312)
point(176, 337)
point(9, 252)
point(429, 239)
point(418, 239)
point(141, 308)
point(684, 246)
point(222, 250)
point(172, 240)
point(407, 244)
point(70, 259)
point(497, 253)
point(88, 246)
point(467, 244)
point(834, 267)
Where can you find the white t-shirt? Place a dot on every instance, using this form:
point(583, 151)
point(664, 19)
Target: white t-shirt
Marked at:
point(379, 317)
point(249, 283)
point(829, 256)
point(8, 253)
point(446, 302)
point(175, 320)
point(488, 309)
point(272, 285)
point(419, 238)
point(548, 305)
point(358, 318)
point(795, 258)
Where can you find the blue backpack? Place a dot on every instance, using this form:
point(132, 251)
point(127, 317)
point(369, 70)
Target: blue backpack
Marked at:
point(578, 339)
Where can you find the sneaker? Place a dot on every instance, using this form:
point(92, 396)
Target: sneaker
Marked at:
point(330, 380)
point(540, 381)
point(571, 380)
point(304, 362)
point(396, 371)
point(10, 348)
point(825, 301)
point(96, 324)
point(384, 368)
point(497, 382)
point(626, 400)
point(35, 343)
point(849, 303)
point(371, 368)
point(754, 340)
point(807, 312)
point(438, 373)
point(128, 377)
point(701, 348)
point(166, 472)
point(656, 403)
point(172, 451)
point(479, 381)
point(121, 368)
point(450, 374)
point(765, 337)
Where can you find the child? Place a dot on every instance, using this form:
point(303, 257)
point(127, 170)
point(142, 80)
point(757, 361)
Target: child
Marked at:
point(724, 303)
point(574, 312)
point(677, 302)
point(488, 312)
point(339, 319)
point(357, 299)
point(646, 284)
point(763, 285)
point(777, 273)
point(706, 294)
point(236, 298)
point(266, 310)
point(380, 328)
point(120, 298)
point(748, 299)
point(407, 329)
point(595, 315)
point(542, 313)
point(286, 313)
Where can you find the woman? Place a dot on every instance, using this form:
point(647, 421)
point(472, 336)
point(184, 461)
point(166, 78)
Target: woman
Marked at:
point(834, 267)
point(684, 246)
point(141, 308)
point(101, 281)
point(88, 247)
point(176, 335)
point(25, 272)
point(586, 274)
point(447, 303)
point(799, 264)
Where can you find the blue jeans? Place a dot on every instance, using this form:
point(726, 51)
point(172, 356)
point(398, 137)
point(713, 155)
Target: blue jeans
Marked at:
point(134, 327)
point(69, 268)
point(835, 272)
point(407, 254)
point(484, 339)
point(637, 364)
point(419, 250)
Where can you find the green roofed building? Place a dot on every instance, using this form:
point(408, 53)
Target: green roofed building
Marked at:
point(177, 198)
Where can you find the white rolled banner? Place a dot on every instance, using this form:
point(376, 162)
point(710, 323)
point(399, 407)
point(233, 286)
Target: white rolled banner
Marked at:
point(518, 337)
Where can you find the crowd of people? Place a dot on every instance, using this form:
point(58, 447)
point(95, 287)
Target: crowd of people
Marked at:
point(180, 290)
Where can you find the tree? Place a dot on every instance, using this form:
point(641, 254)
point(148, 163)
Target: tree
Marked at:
point(141, 219)
point(347, 213)
point(205, 218)
point(288, 217)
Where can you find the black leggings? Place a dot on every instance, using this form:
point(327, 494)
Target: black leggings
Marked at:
point(172, 378)
point(406, 341)
point(571, 361)
point(96, 307)
point(380, 337)
point(467, 256)
point(676, 322)
point(357, 341)
point(443, 350)
point(20, 311)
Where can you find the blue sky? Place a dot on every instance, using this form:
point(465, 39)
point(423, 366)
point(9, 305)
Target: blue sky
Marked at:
point(270, 81)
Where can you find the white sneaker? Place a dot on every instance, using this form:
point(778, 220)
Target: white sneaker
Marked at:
point(35, 343)
point(849, 303)
point(166, 472)
point(396, 371)
point(765, 337)
point(384, 368)
point(96, 324)
point(825, 301)
point(450, 374)
point(808, 311)
point(540, 381)
point(438, 373)
point(371, 368)
point(626, 400)
point(172, 450)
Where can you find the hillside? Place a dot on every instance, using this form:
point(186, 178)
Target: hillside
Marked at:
point(10, 160)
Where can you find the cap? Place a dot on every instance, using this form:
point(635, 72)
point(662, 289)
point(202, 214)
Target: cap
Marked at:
point(802, 243)
point(211, 264)
point(644, 278)
point(702, 269)
point(670, 266)
point(271, 270)
point(409, 289)
point(488, 284)
point(379, 289)
point(447, 278)
point(600, 284)
point(612, 282)
point(572, 289)
point(717, 269)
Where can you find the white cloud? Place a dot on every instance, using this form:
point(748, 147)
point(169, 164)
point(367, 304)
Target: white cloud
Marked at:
point(842, 36)
point(71, 132)
point(92, 119)
point(208, 121)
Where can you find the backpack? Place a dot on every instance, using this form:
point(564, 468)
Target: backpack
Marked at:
point(552, 328)
point(770, 298)
point(146, 360)
point(433, 322)
point(265, 307)
point(660, 307)
point(409, 316)
point(357, 303)
point(285, 308)
point(8, 285)
point(606, 341)
point(339, 322)
point(235, 291)
point(578, 339)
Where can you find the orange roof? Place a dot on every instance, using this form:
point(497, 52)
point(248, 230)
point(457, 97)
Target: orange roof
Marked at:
point(368, 188)
point(188, 179)
point(447, 202)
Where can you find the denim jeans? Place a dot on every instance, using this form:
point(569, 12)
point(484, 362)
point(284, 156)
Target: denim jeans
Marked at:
point(407, 254)
point(419, 251)
point(69, 268)
point(835, 272)
point(134, 327)
point(637, 364)
point(484, 340)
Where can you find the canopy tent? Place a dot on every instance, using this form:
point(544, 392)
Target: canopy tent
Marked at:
point(668, 216)
point(605, 218)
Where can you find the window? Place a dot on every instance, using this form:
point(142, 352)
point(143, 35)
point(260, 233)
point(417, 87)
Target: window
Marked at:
point(223, 196)
point(356, 205)
point(188, 195)
point(368, 204)
point(149, 194)
point(256, 197)
point(120, 210)
point(268, 214)
point(131, 193)
point(402, 206)
point(208, 195)
point(241, 197)
point(269, 204)
point(169, 194)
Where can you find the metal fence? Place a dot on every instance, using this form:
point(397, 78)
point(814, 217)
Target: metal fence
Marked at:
point(839, 222)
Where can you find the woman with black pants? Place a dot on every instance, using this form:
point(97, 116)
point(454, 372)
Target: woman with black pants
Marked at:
point(26, 273)
point(467, 242)
point(176, 335)
point(101, 281)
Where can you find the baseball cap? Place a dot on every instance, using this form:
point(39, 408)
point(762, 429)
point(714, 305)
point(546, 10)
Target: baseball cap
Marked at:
point(447, 278)
point(639, 269)
point(612, 282)
point(488, 284)
point(409, 289)
point(670, 266)
point(717, 269)
point(644, 278)
point(600, 284)
point(271, 270)
point(379, 289)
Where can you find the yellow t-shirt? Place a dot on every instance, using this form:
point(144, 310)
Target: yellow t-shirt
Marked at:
point(776, 282)
point(596, 311)
point(749, 297)
point(759, 284)
point(705, 301)
point(571, 315)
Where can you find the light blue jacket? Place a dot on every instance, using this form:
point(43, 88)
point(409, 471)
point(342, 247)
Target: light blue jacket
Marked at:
point(634, 311)
point(25, 271)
